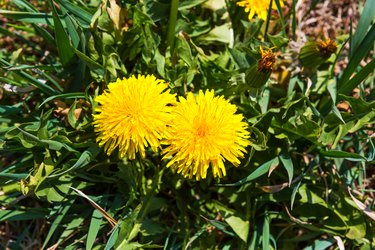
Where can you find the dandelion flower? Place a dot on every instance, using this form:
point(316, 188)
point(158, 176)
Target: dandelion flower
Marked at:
point(132, 115)
point(204, 132)
point(259, 7)
point(267, 60)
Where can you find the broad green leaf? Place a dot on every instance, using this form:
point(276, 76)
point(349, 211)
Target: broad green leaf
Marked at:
point(54, 191)
point(307, 196)
point(220, 33)
point(239, 226)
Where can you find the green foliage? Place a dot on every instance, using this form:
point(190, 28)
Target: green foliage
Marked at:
point(306, 181)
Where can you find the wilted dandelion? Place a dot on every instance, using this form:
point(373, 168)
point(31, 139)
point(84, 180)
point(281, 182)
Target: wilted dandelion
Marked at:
point(314, 53)
point(267, 60)
point(132, 115)
point(327, 47)
point(259, 7)
point(204, 132)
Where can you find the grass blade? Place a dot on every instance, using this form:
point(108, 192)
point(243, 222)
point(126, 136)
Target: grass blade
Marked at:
point(94, 228)
point(365, 20)
point(28, 17)
point(258, 172)
point(358, 78)
point(35, 82)
point(359, 54)
point(66, 53)
point(61, 212)
point(79, 12)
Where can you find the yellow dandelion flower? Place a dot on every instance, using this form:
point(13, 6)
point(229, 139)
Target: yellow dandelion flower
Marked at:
point(133, 114)
point(204, 132)
point(259, 7)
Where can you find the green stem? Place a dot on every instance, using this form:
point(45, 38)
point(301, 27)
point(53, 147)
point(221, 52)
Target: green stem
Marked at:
point(172, 25)
point(151, 193)
point(268, 22)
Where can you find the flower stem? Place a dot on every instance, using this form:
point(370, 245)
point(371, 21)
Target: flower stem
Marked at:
point(268, 21)
point(172, 25)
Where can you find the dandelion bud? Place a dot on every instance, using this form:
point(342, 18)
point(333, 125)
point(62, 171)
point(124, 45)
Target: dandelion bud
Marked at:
point(258, 74)
point(313, 54)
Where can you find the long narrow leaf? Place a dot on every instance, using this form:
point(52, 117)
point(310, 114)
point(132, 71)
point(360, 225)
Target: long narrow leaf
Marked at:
point(35, 82)
point(257, 173)
point(359, 54)
point(28, 17)
point(79, 12)
point(358, 78)
point(64, 47)
point(61, 212)
point(367, 16)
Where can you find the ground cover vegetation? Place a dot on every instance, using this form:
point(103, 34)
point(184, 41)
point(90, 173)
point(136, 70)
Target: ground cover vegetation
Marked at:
point(187, 124)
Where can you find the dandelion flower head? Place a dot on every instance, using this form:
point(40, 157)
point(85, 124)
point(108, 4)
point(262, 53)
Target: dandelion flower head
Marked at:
point(259, 7)
point(267, 60)
point(327, 47)
point(132, 115)
point(204, 132)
